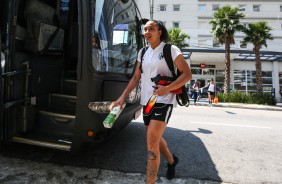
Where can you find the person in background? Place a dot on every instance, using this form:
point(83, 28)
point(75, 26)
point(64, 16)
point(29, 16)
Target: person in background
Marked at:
point(96, 52)
point(196, 91)
point(211, 91)
point(153, 63)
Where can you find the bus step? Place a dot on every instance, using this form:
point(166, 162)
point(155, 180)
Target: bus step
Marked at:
point(70, 74)
point(62, 101)
point(69, 87)
point(44, 140)
point(56, 123)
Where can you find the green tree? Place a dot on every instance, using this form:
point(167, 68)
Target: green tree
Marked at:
point(257, 34)
point(177, 38)
point(225, 23)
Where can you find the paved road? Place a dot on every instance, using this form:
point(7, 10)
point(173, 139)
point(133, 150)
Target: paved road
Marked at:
point(214, 144)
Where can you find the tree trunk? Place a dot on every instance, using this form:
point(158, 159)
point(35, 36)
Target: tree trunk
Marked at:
point(227, 66)
point(258, 70)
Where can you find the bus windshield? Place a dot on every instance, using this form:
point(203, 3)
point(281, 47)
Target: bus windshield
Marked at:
point(115, 36)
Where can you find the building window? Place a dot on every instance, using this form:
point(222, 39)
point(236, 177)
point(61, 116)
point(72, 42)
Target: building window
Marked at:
point(202, 7)
point(280, 82)
point(176, 7)
point(215, 43)
point(202, 42)
point(256, 8)
point(208, 71)
point(162, 7)
point(245, 80)
point(219, 78)
point(246, 25)
point(240, 80)
point(215, 7)
point(198, 70)
point(175, 24)
point(242, 7)
point(242, 46)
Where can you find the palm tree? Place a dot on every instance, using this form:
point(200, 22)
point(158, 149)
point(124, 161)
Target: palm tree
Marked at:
point(224, 25)
point(177, 38)
point(257, 34)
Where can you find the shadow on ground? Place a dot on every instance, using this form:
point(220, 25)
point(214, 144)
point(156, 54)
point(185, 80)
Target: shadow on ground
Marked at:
point(127, 153)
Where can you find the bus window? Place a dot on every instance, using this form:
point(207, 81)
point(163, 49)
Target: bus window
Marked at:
point(120, 34)
point(117, 37)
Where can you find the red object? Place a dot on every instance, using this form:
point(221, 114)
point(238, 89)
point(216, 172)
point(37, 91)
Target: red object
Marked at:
point(202, 65)
point(177, 91)
point(164, 82)
point(215, 100)
point(150, 104)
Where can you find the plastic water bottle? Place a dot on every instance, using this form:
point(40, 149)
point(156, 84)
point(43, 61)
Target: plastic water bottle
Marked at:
point(113, 115)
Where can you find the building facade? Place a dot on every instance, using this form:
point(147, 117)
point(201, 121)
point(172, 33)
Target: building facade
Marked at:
point(206, 60)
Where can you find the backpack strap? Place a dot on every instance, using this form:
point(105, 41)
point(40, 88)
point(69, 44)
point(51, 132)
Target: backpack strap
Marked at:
point(142, 55)
point(168, 58)
point(183, 99)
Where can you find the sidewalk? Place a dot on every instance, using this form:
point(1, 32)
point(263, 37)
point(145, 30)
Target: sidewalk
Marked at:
point(204, 102)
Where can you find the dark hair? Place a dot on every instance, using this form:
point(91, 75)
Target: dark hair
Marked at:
point(97, 39)
point(164, 36)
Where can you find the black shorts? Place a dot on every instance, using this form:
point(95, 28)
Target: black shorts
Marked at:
point(211, 93)
point(161, 112)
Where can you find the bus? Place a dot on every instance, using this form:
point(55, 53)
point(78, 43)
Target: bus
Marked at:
point(62, 64)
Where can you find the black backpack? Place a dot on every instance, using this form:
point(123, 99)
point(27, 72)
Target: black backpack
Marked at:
point(182, 98)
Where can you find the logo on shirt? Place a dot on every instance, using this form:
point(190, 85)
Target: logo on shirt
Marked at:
point(161, 56)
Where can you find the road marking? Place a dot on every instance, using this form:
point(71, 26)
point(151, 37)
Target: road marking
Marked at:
point(235, 125)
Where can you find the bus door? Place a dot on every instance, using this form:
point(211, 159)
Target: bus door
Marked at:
point(31, 75)
point(112, 37)
point(2, 59)
point(8, 102)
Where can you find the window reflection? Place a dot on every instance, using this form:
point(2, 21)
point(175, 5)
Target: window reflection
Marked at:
point(208, 71)
point(245, 80)
point(219, 78)
point(116, 25)
point(196, 71)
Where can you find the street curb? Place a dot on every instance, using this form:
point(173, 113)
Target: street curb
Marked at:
point(250, 106)
point(239, 105)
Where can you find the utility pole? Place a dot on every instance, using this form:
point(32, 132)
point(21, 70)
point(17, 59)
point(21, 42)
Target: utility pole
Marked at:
point(151, 4)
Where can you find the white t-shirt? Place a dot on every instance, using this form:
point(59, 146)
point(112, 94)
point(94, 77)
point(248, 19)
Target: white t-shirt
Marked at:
point(211, 87)
point(152, 65)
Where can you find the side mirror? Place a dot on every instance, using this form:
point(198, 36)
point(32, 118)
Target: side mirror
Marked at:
point(2, 56)
point(2, 62)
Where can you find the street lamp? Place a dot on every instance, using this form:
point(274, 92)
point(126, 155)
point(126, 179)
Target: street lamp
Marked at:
point(151, 4)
